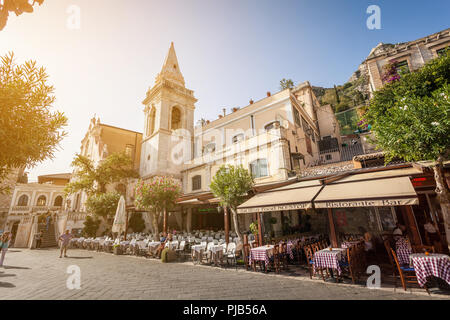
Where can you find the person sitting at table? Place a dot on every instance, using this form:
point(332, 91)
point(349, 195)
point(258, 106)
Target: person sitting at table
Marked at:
point(368, 244)
point(161, 247)
point(432, 234)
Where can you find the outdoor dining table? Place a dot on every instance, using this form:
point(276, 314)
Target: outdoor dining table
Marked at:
point(216, 253)
point(327, 258)
point(348, 244)
point(197, 251)
point(433, 264)
point(262, 253)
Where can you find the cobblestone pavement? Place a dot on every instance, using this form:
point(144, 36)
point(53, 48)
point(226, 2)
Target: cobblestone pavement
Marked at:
point(40, 274)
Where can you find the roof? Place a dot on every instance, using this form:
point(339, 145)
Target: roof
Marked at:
point(388, 48)
point(114, 127)
point(57, 176)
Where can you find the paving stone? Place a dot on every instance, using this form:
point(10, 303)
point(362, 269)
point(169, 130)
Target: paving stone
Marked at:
point(40, 274)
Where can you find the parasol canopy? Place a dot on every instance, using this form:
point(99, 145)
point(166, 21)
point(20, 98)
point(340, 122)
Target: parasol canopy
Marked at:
point(120, 218)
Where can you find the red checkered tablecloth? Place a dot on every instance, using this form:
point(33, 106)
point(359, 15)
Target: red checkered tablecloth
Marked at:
point(327, 258)
point(434, 264)
point(261, 254)
point(403, 250)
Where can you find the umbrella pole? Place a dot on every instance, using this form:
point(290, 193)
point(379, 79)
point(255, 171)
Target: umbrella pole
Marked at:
point(126, 226)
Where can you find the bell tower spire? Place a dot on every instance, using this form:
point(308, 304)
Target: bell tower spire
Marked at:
point(171, 69)
point(169, 117)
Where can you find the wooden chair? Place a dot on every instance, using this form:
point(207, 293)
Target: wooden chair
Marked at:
point(387, 245)
point(276, 258)
point(283, 255)
point(422, 248)
point(300, 255)
point(247, 256)
point(309, 259)
point(406, 273)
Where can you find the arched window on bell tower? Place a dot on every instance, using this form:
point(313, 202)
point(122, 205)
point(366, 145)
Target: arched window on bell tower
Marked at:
point(151, 121)
point(175, 122)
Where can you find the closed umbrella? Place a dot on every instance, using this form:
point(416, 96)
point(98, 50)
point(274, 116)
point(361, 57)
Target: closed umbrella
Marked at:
point(120, 219)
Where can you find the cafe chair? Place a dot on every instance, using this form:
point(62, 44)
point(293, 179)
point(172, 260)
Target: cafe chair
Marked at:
point(391, 259)
point(407, 274)
point(247, 257)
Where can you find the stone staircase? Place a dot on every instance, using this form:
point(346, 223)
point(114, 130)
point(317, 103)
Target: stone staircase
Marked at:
point(48, 236)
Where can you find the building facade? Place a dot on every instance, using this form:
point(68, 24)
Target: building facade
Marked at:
point(408, 56)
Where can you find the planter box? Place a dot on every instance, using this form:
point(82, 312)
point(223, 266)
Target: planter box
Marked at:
point(117, 250)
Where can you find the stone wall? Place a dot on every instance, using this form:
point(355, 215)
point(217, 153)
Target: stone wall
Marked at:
point(23, 235)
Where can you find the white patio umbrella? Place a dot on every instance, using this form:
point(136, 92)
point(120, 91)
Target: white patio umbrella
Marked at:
point(119, 223)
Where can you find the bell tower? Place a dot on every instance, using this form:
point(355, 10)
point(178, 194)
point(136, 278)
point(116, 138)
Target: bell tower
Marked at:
point(169, 122)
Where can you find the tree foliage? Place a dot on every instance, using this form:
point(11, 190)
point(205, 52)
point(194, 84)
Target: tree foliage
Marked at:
point(91, 226)
point(286, 84)
point(30, 132)
point(94, 179)
point(158, 195)
point(16, 6)
point(103, 204)
point(231, 184)
point(410, 119)
point(410, 116)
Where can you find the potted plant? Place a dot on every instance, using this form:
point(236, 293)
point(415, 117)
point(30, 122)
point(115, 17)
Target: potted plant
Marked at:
point(117, 250)
point(254, 229)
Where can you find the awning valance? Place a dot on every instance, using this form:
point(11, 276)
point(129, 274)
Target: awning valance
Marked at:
point(291, 197)
point(367, 193)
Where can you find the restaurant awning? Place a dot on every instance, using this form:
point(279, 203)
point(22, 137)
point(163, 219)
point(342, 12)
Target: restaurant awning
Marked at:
point(379, 188)
point(291, 197)
point(375, 189)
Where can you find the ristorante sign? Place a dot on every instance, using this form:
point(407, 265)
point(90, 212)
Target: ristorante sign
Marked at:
point(367, 203)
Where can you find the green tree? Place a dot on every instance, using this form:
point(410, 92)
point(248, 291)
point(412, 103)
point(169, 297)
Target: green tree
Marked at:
point(16, 6)
point(103, 204)
point(30, 132)
point(93, 179)
point(158, 195)
point(231, 184)
point(286, 84)
point(91, 226)
point(410, 118)
point(136, 223)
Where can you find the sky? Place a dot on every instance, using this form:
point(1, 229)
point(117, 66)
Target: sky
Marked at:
point(229, 51)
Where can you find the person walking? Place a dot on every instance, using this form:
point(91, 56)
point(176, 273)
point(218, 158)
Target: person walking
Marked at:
point(38, 238)
point(4, 244)
point(65, 239)
point(47, 221)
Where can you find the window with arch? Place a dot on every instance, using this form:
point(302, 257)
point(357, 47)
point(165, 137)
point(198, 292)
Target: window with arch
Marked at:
point(196, 182)
point(77, 202)
point(41, 201)
point(58, 201)
point(258, 168)
point(175, 122)
point(151, 122)
point(23, 200)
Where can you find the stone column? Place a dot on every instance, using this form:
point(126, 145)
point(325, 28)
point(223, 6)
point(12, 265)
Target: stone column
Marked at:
point(189, 220)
